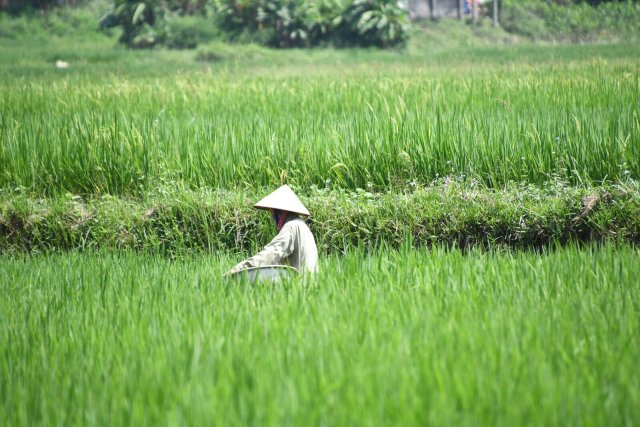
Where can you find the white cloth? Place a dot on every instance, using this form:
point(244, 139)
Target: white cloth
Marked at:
point(294, 245)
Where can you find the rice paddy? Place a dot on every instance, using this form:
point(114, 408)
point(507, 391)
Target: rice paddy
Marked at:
point(408, 337)
point(368, 124)
point(477, 211)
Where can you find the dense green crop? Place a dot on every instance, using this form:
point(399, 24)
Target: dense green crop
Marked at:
point(402, 338)
point(355, 127)
point(158, 154)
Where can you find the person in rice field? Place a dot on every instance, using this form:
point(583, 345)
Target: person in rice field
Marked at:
point(294, 244)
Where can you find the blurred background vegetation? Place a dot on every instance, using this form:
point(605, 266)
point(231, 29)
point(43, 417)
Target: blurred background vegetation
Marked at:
point(184, 24)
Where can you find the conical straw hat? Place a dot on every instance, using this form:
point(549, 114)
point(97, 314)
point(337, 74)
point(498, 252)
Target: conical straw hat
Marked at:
point(283, 199)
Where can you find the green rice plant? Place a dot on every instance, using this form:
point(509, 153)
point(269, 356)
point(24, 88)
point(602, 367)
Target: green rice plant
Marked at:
point(229, 129)
point(402, 338)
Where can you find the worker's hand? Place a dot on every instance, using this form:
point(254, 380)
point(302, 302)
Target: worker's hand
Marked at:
point(229, 273)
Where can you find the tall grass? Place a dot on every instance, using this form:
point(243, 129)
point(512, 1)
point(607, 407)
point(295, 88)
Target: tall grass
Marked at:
point(349, 127)
point(399, 338)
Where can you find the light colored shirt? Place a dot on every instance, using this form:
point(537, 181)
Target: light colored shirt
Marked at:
point(294, 245)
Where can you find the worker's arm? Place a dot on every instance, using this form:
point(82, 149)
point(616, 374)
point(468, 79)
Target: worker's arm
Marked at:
point(274, 253)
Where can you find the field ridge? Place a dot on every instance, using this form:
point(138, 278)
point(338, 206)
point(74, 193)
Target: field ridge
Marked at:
point(451, 212)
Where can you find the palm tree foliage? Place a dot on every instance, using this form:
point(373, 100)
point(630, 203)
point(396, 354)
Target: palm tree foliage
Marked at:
point(144, 22)
point(274, 23)
point(304, 23)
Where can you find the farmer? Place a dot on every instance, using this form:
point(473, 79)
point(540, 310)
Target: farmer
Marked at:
point(294, 244)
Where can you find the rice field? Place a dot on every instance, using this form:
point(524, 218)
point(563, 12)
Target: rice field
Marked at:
point(125, 189)
point(369, 123)
point(390, 337)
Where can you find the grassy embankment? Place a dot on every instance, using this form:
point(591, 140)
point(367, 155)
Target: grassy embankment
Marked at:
point(179, 221)
point(407, 337)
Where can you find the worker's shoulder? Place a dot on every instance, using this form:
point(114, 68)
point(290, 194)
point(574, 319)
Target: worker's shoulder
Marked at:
point(296, 223)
